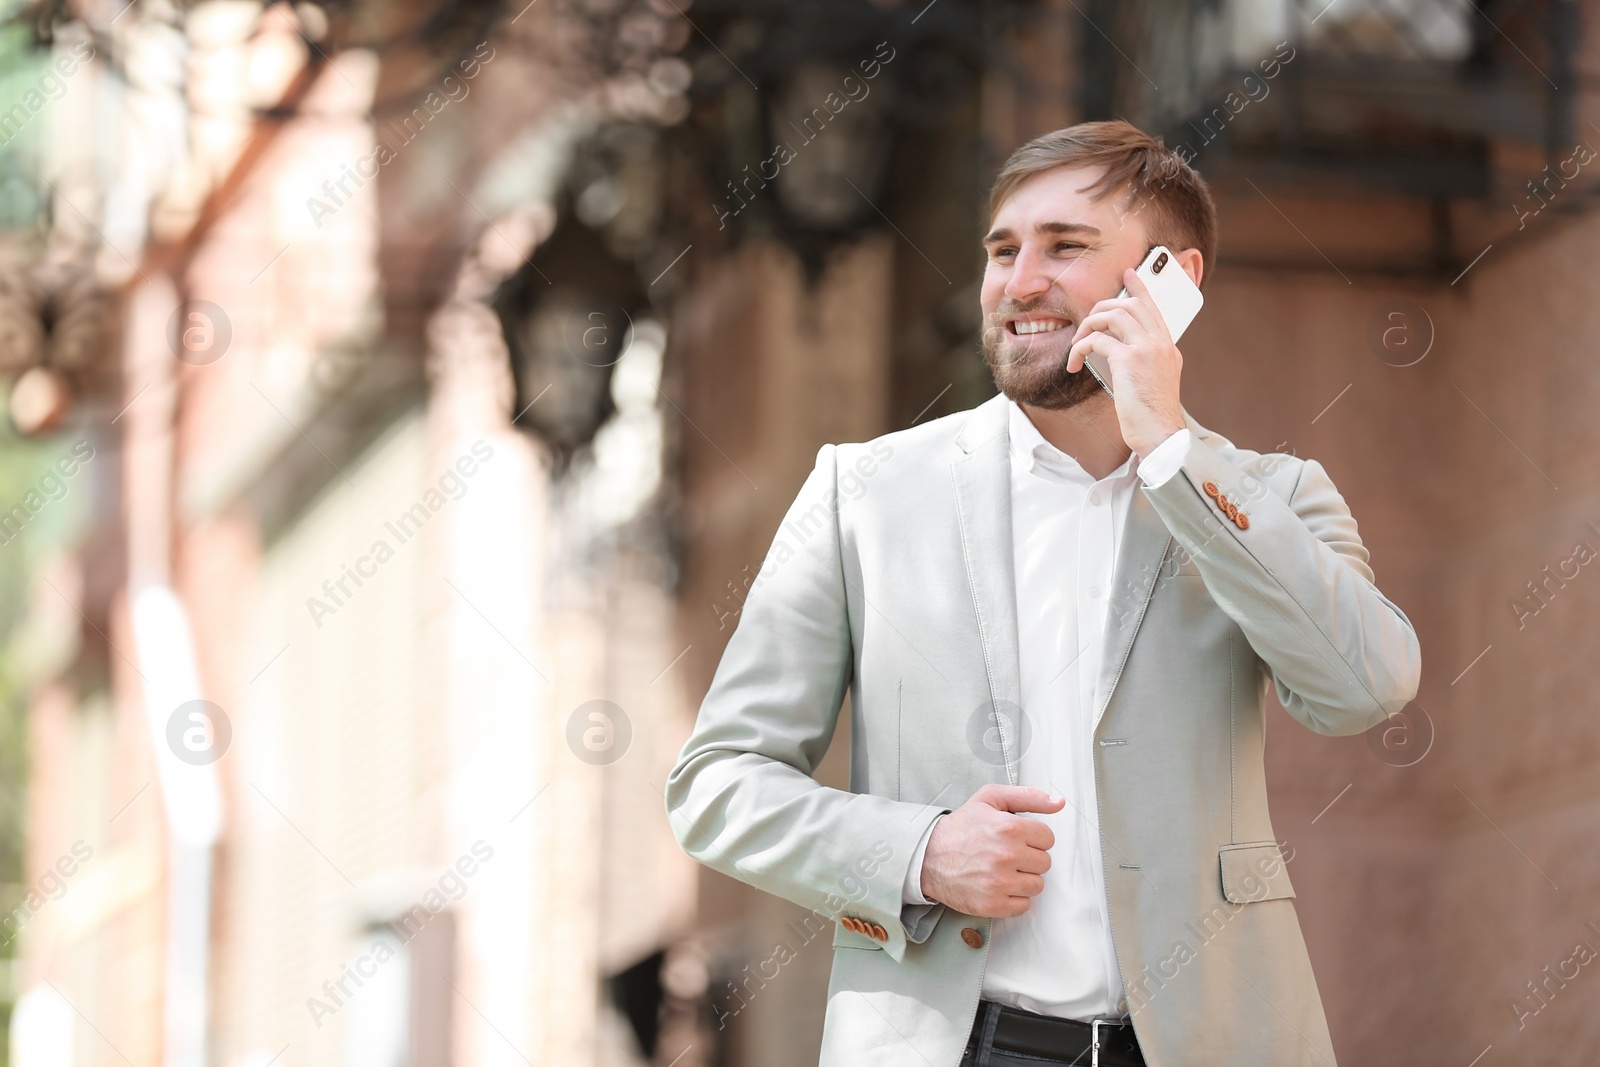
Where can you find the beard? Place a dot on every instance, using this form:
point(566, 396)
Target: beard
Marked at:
point(1032, 369)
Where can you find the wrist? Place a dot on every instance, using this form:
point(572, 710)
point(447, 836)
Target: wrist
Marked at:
point(928, 877)
point(1157, 439)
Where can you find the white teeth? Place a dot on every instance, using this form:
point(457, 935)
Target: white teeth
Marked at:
point(1039, 327)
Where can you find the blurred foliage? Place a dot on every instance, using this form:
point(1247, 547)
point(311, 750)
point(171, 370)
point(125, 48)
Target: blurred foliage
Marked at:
point(21, 64)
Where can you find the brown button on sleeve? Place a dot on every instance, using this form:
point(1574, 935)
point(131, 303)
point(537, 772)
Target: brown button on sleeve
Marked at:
point(879, 933)
point(973, 937)
point(1210, 488)
point(1242, 521)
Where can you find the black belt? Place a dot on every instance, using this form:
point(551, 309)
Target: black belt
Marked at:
point(1065, 1039)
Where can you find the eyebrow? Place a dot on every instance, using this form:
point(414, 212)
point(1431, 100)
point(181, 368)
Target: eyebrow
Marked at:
point(1073, 229)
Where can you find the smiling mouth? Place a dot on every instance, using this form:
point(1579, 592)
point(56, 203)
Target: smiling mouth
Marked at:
point(1033, 327)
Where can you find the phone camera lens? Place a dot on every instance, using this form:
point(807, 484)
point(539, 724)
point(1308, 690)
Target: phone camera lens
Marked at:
point(1161, 261)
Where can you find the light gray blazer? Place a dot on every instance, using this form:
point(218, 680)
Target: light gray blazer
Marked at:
point(892, 578)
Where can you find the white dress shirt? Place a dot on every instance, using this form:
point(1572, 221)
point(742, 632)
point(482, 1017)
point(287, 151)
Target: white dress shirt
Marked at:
point(1066, 527)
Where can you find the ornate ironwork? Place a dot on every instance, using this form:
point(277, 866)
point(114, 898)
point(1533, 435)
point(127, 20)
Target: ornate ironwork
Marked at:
point(1403, 94)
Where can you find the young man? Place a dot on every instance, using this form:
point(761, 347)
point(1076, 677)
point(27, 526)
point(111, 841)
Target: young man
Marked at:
point(1057, 616)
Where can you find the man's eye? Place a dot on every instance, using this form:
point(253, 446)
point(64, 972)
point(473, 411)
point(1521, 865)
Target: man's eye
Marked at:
point(998, 252)
point(1068, 244)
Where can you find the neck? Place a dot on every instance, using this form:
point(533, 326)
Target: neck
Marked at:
point(1088, 432)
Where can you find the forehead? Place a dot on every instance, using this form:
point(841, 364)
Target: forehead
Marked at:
point(1057, 195)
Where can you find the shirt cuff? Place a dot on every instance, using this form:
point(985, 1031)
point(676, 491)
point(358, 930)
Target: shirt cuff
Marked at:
point(1165, 460)
point(911, 891)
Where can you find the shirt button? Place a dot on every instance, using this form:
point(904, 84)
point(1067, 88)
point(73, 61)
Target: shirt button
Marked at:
point(1094, 590)
point(1094, 497)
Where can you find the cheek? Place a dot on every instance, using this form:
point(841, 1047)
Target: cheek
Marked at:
point(993, 289)
point(1072, 300)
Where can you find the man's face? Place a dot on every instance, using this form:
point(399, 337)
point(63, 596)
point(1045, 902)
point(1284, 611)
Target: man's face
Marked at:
point(1052, 254)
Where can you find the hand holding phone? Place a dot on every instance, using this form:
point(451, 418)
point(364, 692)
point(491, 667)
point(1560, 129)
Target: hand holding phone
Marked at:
point(1176, 296)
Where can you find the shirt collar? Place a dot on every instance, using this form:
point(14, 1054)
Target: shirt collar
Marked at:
point(1032, 453)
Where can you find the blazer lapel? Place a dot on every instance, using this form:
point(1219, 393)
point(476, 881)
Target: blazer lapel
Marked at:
point(982, 476)
point(1143, 547)
point(1139, 558)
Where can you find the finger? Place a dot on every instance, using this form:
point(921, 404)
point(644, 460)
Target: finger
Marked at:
point(1093, 321)
point(1080, 351)
point(1134, 284)
point(1144, 305)
point(1018, 798)
point(1034, 861)
point(1027, 885)
point(1037, 835)
point(1103, 343)
point(1011, 907)
point(1118, 320)
point(1110, 304)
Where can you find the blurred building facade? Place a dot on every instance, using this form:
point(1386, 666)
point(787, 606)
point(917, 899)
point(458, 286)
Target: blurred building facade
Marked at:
point(339, 594)
point(447, 372)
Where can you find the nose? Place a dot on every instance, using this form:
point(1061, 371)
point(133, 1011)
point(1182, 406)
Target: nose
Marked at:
point(1030, 275)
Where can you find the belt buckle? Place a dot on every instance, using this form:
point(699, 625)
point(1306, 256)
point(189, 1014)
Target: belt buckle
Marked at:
point(1094, 1037)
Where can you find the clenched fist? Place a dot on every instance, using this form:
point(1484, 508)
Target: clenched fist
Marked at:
point(986, 859)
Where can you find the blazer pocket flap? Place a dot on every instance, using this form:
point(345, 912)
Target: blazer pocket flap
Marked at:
point(1254, 871)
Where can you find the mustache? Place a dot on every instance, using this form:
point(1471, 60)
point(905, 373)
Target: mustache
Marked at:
point(1010, 308)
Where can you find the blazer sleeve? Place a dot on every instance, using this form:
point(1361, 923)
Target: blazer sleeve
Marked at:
point(742, 799)
point(1296, 580)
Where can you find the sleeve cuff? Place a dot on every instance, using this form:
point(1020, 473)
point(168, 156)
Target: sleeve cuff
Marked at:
point(1165, 460)
point(911, 891)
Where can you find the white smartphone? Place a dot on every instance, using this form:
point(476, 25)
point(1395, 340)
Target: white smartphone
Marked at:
point(1176, 296)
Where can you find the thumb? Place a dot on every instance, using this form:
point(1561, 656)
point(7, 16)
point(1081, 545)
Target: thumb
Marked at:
point(1019, 798)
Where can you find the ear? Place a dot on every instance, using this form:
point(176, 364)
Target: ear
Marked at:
point(1193, 264)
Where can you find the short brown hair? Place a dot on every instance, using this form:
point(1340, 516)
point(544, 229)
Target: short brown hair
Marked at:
point(1182, 213)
